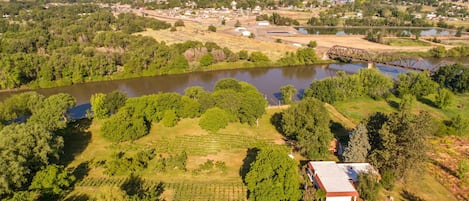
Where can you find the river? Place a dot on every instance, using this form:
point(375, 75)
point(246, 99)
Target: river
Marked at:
point(267, 80)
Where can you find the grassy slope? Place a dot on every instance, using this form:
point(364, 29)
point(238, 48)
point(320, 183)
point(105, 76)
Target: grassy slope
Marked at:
point(425, 185)
point(406, 42)
point(230, 145)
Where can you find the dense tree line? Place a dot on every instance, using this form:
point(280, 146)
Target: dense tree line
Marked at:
point(230, 101)
point(62, 45)
point(277, 19)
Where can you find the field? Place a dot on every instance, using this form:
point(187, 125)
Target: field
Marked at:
point(404, 42)
point(198, 32)
point(232, 145)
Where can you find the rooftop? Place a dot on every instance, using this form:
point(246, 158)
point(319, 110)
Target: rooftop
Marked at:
point(352, 169)
point(332, 177)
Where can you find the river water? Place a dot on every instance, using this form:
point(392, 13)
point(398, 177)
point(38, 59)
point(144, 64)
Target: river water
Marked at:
point(267, 80)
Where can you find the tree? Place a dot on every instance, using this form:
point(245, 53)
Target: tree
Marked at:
point(237, 24)
point(444, 98)
point(400, 146)
point(98, 106)
point(214, 119)
point(52, 180)
point(257, 56)
point(206, 60)
point(455, 77)
point(439, 51)
point(358, 145)
point(212, 28)
point(115, 100)
point(125, 125)
point(416, 84)
point(307, 122)
point(227, 83)
point(24, 148)
point(287, 92)
point(368, 186)
point(52, 112)
point(252, 105)
point(170, 118)
point(375, 84)
point(312, 44)
point(273, 176)
point(179, 23)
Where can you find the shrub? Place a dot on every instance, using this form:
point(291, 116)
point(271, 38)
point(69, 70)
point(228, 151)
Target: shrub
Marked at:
point(206, 60)
point(212, 28)
point(179, 23)
point(214, 119)
point(170, 118)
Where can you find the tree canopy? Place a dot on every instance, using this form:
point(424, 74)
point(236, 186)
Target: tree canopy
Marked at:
point(273, 176)
point(307, 122)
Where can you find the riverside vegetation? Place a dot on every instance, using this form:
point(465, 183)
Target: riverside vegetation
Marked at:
point(164, 146)
point(63, 45)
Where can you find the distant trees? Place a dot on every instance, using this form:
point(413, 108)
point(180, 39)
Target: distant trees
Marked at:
point(212, 28)
point(287, 92)
point(273, 176)
point(358, 145)
point(307, 122)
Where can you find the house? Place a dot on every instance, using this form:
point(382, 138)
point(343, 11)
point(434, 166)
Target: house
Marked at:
point(353, 169)
point(246, 33)
point(263, 23)
point(240, 29)
point(330, 178)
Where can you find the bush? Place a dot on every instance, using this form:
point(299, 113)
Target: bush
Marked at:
point(173, 29)
point(463, 168)
point(206, 60)
point(438, 51)
point(170, 118)
point(212, 28)
point(258, 57)
point(214, 119)
point(123, 126)
point(179, 23)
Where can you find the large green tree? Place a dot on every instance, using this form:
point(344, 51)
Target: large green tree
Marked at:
point(24, 149)
point(307, 122)
point(287, 92)
point(127, 124)
point(358, 145)
point(52, 113)
point(214, 119)
point(52, 180)
point(273, 176)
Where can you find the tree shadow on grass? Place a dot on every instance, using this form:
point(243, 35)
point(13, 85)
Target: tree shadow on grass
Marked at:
point(410, 196)
point(445, 168)
point(393, 104)
point(427, 101)
point(79, 197)
point(81, 171)
point(276, 121)
point(135, 187)
point(76, 138)
point(251, 155)
point(340, 132)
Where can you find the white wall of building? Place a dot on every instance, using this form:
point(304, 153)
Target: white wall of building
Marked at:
point(343, 198)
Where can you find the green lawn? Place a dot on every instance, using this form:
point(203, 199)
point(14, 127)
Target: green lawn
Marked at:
point(406, 42)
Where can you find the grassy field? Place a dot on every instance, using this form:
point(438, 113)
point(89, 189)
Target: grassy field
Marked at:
point(85, 147)
point(230, 145)
point(406, 42)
